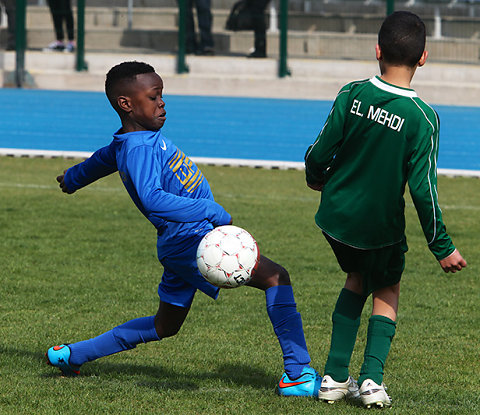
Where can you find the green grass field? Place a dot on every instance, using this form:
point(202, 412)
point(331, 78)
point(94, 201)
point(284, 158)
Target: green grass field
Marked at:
point(75, 266)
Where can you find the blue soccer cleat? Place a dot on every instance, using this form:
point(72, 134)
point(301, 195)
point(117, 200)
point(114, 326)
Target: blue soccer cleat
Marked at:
point(59, 356)
point(307, 384)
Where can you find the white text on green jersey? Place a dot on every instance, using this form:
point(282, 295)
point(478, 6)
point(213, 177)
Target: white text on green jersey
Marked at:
point(378, 115)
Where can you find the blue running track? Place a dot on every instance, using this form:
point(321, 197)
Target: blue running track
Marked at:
point(218, 127)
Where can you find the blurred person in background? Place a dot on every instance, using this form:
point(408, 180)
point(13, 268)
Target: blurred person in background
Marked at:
point(62, 13)
point(204, 19)
point(259, 27)
point(10, 10)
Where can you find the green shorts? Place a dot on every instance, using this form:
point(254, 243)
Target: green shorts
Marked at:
point(380, 268)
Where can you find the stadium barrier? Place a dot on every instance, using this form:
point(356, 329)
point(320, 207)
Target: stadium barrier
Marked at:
point(81, 65)
point(211, 161)
point(319, 29)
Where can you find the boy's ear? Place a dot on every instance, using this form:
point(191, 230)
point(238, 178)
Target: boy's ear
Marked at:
point(423, 59)
point(378, 53)
point(124, 104)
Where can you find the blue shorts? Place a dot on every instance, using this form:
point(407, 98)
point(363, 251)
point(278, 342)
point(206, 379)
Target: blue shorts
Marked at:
point(181, 277)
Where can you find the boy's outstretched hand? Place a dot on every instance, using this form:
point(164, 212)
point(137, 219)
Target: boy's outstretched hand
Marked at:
point(63, 186)
point(453, 263)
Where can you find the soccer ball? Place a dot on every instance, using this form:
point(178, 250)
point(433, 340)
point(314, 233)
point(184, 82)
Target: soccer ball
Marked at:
point(228, 256)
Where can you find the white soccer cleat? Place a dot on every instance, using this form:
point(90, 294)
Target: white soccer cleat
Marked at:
point(374, 395)
point(331, 391)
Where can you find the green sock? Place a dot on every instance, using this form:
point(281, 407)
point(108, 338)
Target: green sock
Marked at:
point(346, 320)
point(379, 338)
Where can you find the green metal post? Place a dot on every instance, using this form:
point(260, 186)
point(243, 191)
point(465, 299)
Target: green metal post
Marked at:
point(283, 70)
point(390, 7)
point(81, 65)
point(20, 42)
point(182, 17)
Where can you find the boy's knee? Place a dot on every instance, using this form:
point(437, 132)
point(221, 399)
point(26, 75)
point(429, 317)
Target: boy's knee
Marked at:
point(283, 276)
point(269, 274)
point(394, 289)
point(389, 290)
point(278, 276)
point(274, 277)
point(354, 282)
point(164, 331)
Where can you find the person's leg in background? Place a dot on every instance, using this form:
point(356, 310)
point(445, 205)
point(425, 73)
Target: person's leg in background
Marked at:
point(56, 7)
point(191, 45)
point(10, 8)
point(260, 28)
point(68, 17)
point(205, 20)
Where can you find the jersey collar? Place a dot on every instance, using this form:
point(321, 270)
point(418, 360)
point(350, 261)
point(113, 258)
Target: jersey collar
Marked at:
point(379, 83)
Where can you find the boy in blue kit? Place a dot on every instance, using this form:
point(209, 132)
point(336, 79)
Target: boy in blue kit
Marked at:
point(378, 137)
point(172, 193)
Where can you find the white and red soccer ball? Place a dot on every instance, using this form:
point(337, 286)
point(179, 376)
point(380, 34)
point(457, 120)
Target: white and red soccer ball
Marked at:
point(227, 256)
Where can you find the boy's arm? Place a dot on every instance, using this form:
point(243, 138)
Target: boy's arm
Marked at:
point(320, 154)
point(422, 182)
point(102, 163)
point(158, 203)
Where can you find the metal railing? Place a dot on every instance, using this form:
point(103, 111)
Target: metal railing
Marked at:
point(182, 67)
point(81, 65)
point(20, 42)
point(330, 30)
point(277, 18)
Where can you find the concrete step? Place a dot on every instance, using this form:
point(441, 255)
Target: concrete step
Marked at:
point(448, 84)
point(423, 8)
point(300, 44)
point(315, 35)
point(146, 18)
point(341, 21)
point(293, 5)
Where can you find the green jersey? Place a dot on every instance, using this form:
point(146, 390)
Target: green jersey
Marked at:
point(376, 138)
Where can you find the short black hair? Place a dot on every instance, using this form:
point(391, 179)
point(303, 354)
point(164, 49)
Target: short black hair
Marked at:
point(402, 38)
point(125, 71)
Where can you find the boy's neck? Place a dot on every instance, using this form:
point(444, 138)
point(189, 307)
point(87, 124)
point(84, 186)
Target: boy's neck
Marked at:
point(398, 75)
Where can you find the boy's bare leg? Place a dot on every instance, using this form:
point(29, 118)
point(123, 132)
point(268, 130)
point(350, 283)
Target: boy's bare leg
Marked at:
point(269, 274)
point(169, 319)
point(354, 282)
point(385, 302)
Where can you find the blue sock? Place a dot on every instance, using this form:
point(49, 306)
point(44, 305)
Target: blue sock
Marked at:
point(123, 337)
point(287, 324)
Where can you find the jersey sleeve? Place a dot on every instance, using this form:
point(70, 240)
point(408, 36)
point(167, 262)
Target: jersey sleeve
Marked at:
point(102, 163)
point(320, 154)
point(422, 181)
point(158, 203)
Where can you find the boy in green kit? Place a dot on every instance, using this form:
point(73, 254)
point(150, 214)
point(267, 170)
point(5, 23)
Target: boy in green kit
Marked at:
point(378, 136)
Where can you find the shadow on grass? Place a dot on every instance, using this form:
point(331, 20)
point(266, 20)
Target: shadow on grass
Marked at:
point(159, 378)
point(155, 377)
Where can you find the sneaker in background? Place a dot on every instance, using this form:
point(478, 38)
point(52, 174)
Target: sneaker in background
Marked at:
point(57, 46)
point(70, 47)
point(207, 51)
point(257, 54)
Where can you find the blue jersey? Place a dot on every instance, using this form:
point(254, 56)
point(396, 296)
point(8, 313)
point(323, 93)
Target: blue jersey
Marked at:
point(165, 185)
